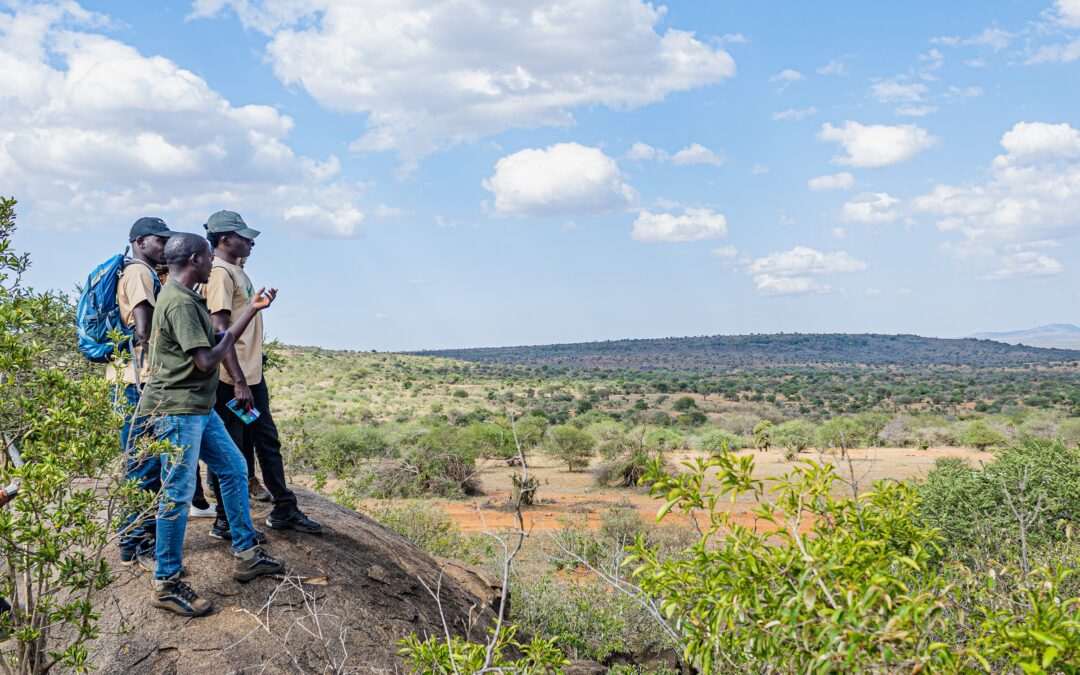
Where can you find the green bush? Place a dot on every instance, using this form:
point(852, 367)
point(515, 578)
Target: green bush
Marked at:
point(339, 448)
point(794, 436)
point(971, 505)
point(426, 525)
point(570, 445)
point(979, 435)
point(719, 439)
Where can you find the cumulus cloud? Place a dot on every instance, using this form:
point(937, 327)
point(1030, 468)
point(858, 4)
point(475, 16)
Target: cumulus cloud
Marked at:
point(834, 67)
point(836, 181)
point(695, 224)
point(915, 110)
point(871, 208)
point(785, 78)
point(1069, 12)
point(695, 153)
point(992, 263)
point(431, 73)
point(792, 272)
point(893, 90)
point(560, 180)
point(995, 38)
point(877, 145)
point(793, 114)
point(1032, 193)
point(93, 132)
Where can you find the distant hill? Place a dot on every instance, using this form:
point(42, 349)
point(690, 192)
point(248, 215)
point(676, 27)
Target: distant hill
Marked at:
point(724, 352)
point(1060, 335)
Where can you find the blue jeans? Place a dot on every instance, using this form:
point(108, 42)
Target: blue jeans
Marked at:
point(143, 469)
point(196, 437)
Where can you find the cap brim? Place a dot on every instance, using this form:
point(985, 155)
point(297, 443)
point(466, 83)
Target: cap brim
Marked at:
point(165, 233)
point(248, 233)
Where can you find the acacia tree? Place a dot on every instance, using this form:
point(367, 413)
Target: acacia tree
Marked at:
point(59, 430)
point(763, 435)
point(571, 445)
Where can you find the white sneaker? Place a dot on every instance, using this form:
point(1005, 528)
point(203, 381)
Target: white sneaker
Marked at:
point(208, 512)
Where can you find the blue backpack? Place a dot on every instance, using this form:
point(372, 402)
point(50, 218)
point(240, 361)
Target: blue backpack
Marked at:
point(98, 315)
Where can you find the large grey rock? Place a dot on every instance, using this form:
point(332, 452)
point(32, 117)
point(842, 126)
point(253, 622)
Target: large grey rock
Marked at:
point(350, 595)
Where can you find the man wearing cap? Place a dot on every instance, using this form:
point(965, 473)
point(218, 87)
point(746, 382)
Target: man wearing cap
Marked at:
point(136, 295)
point(185, 356)
point(228, 292)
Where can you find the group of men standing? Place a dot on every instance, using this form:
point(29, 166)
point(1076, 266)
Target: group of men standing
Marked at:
point(197, 347)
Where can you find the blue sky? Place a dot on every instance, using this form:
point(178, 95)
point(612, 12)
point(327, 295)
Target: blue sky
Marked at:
point(470, 173)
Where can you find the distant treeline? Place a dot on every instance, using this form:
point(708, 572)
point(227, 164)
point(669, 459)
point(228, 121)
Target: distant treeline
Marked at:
point(726, 352)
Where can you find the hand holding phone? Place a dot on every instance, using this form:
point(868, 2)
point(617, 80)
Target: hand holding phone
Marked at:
point(248, 415)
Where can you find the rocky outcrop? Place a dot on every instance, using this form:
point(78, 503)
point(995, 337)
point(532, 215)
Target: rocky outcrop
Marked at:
point(349, 596)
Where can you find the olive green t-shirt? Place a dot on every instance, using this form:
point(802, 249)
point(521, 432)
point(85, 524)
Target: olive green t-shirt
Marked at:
point(181, 324)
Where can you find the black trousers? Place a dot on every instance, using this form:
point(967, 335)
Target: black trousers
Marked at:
point(258, 439)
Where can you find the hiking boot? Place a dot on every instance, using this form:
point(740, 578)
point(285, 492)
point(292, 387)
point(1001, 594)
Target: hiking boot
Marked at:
point(221, 530)
point(255, 562)
point(293, 519)
point(257, 492)
point(129, 557)
point(147, 559)
point(177, 597)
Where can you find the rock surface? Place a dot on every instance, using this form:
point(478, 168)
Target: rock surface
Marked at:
point(349, 595)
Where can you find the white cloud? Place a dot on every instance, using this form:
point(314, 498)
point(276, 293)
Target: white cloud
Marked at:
point(1069, 12)
point(92, 132)
point(759, 169)
point(432, 73)
point(794, 114)
point(915, 110)
point(785, 78)
point(893, 90)
point(871, 208)
point(1038, 141)
point(695, 153)
point(990, 263)
point(836, 181)
point(1032, 192)
point(803, 260)
point(1057, 53)
point(838, 232)
point(769, 284)
point(834, 67)
point(995, 38)
point(726, 252)
point(561, 180)
point(734, 38)
point(639, 151)
point(785, 219)
point(695, 224)
point(792, 272)
point(877, 145)
point(1024, 264)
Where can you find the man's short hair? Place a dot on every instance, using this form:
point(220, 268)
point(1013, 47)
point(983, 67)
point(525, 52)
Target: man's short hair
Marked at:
point(181, 247)
point(214, 238)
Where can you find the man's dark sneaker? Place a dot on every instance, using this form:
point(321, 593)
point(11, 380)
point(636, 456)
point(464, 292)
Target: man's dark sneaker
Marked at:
point(147, 559)
point(176, 596)
point(221, 530)
point(254, 562)
point(129, 556)
point(293, 520)
point(257, 492)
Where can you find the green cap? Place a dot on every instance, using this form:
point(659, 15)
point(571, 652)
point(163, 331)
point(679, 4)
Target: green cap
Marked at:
point(229, 221)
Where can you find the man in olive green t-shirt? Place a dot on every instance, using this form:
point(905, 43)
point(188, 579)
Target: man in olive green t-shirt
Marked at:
point(179, 398)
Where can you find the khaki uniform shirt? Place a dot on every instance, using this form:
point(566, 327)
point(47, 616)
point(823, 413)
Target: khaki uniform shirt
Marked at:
point(181, 325)
point(230, 290)
point(136, 285)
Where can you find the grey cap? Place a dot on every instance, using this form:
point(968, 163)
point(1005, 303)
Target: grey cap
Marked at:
point(229, 221)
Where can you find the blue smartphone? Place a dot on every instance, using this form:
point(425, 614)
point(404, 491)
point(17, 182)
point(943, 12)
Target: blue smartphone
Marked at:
point(248, 415)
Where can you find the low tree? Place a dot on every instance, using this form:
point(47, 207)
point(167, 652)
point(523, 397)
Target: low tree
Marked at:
point(570, 445)
point(795, 436)
point(762, 435)
point(979, 435)
point(59, 432)
point(843, 433)
point(684, 404)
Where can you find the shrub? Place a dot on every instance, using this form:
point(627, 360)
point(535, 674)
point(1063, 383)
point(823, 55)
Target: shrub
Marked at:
point(570, 445)
point(843, 433)
point(1069, 431)
point(664, 440)
point(971, 505)
point(718, 440)
point(339, 448)
point(433, 656)
point(794, 436)
point(684, 404)
point(426, 525)
point(763, 435)
point(979, 435)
